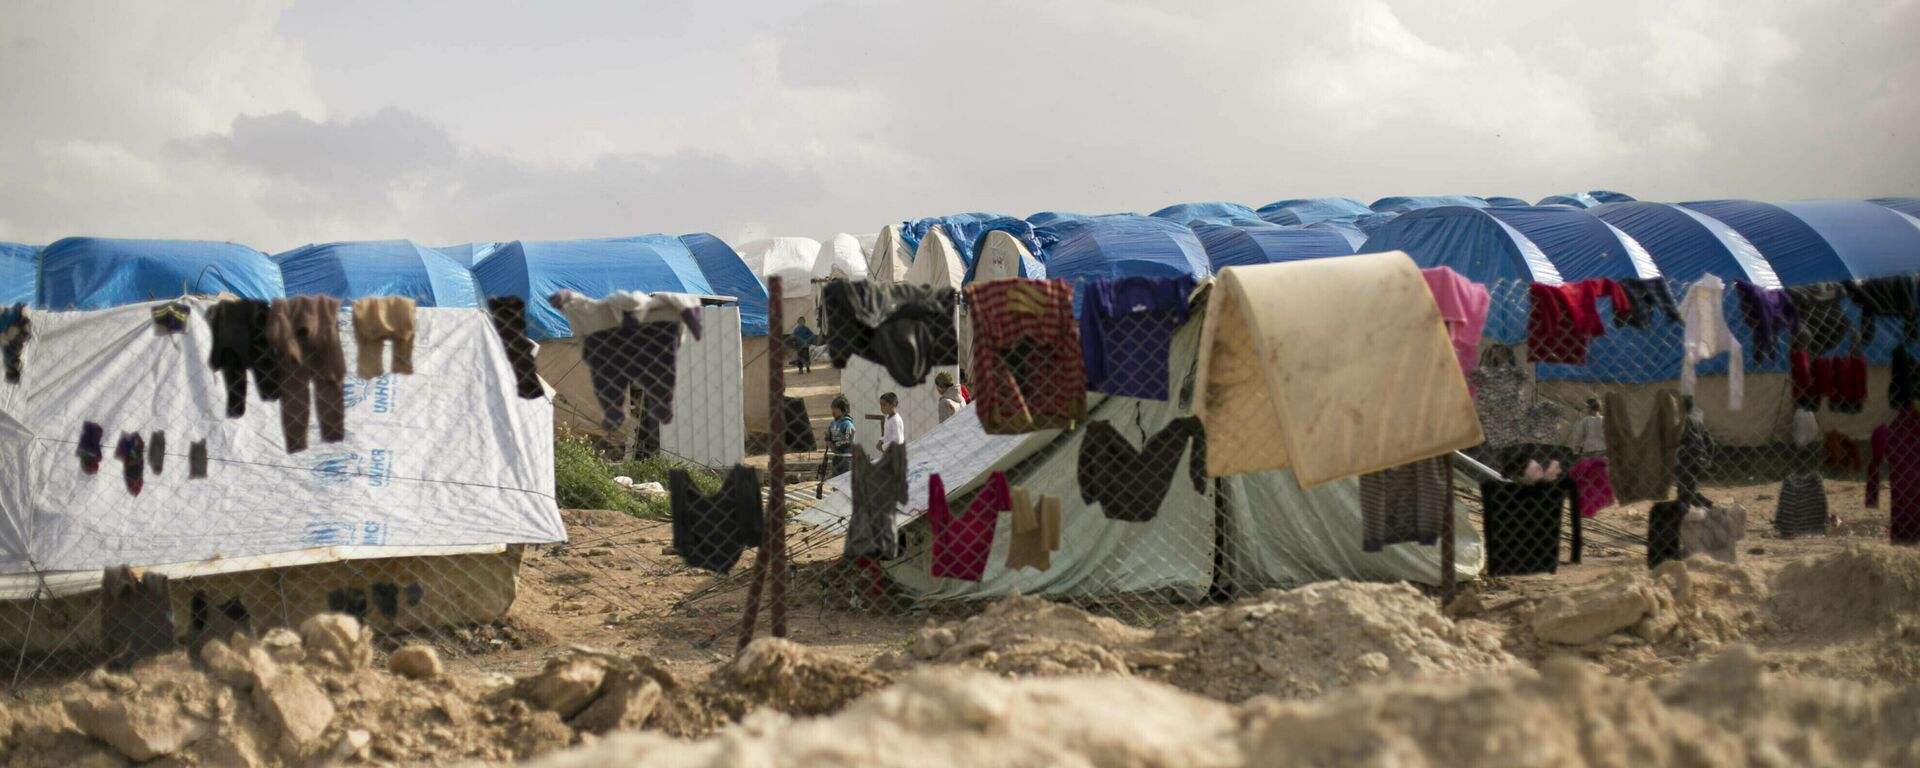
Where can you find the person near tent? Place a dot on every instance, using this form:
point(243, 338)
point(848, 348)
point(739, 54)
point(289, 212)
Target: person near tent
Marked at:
point(800, 340)
point(839, 442)
point(1590, 475)
point(951, 398)
point(893, 431)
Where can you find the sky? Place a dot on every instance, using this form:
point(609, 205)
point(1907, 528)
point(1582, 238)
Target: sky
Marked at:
point(278, 123)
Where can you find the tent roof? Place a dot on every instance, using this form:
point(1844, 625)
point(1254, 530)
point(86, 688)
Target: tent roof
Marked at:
point(843, 254)
point(1309, 210)
point(536, 269)
point(1231, 214)
point(1534, 244)
point(357, 270)
point(469, 254)
point(1500, 201)
point(1122, 246)
point(18, 274)
point(98, 272)
point(1576, 199)
point(1686, 244)
point(789, 258)
point(1907, 205)
point(1403, 204)
point(1610, 196)
point(1821, 240)
point(966, 229)
point(1351, 230)
point(728, 275)
point(1028, 265)
point(1236, 246)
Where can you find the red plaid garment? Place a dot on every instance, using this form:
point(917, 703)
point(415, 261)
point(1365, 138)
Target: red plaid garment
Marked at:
point(1027, 371)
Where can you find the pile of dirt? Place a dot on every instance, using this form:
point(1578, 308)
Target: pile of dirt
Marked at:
point(1026, 636)
point(1699, 602)
point(1727, 712)
point(1859, 590)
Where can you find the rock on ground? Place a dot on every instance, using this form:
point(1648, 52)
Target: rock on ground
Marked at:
point(419, 662)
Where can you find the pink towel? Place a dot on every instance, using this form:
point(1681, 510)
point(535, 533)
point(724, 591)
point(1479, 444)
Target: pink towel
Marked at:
point(1463, 306)
point(1596, 486)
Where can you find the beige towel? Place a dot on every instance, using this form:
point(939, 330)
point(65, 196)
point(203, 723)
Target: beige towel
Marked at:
point(1036, 531)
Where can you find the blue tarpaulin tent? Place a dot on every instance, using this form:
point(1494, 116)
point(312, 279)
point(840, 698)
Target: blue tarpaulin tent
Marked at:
point(966, 229)
point(728, 275)
point(1501, 201)
point(536, 269)
point(1355, 236)
point(1907, 205)
point(1238, 246)
point(1311, 210)
point(357, 270)
point(469, 254)
point(1821, 240)
point(1122, 246)
point(1229, 214)
point(18, 274)
point(1403, 204)
point(98, 272)
point(1577, 200)
point(1610, 196)
point(1686, 244)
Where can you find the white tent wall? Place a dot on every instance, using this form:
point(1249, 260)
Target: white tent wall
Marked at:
point(841, 258)
point(709, 424)
point(890, 260)
point(937, 263)
point(1000, 257)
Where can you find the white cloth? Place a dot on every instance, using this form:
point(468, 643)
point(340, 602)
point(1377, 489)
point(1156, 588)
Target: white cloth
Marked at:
point(1590, 436)
point(893, 430)
point(1806, 427)
point(587, 316)
point(1707, 335)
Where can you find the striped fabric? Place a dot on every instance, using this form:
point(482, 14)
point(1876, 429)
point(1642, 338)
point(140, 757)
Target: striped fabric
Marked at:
point(1405, 503)
point(1803, 497)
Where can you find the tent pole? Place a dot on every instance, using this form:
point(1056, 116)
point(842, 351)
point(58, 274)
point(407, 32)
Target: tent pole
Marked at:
point(767, 559)
point(1447, 585)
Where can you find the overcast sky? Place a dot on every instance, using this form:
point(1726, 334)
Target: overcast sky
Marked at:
point(281, 123)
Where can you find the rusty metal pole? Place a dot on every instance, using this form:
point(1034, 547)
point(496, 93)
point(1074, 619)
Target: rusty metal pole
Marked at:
point(1447, 586)
point(765, 559)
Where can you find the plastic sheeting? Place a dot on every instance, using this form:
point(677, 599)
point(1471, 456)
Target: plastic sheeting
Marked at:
point(1311, 210)
point(97, 273)
point(1405, 203)
point(1907, 205)
point(1576, 199)
point(536, 269)
point(1354, 235)
point(1002, 257)
point(446, 456)
point(728, 275)
point(966, 229)
point(1270, 400)
point(1122, 246)
point(1501, 201)
point(1610, 196)
point(357, 270)
point(469, 254)
point(19, 276)
point(1822, 240)
point(1196, 214)
point(790, 258)
point(1686, 244)
point(841, 258)
point(1480, 247)
point(1234, 246)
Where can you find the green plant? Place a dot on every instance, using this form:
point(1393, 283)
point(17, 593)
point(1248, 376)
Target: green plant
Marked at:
point(582, 480)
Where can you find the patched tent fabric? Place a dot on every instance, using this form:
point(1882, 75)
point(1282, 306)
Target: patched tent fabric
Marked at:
point(469, 254)
point(97, 272)
point(536, 269)
point(1311, 210)
point(1236, 247)
point(1001, 256)
point(1227, 214)
point(19, 277)
point(728, 275)
point(1405, 203)
point(1273, 396)
point(1686, 244)
point(357, 270)
point(842, 258)
point(1108, 247)
point(1907, 205)
point(965, 231)
point(1822, 240)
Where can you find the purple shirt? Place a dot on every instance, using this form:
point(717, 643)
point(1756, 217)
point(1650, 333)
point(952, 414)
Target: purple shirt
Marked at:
point(1769, 314)
point(1126, 331)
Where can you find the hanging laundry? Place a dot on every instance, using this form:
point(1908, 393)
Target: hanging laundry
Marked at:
point(1405, 503)
point(1707, 335)
point(1895, 453)
point(1521, 523)
point(1640, 458)
point(1692, 459)
point(132, 453)
point(1843, 380)
point(1713, 531)
point(710, 531)
point(92, 447)
point(1595, 484)
point(509, 315)
point(197, 460)
point(240, 346)
point(1026, 356)
point(1663, 532)
point(1463, 307)
point(1126, 333)
point(171, 318)
point(627, 340)
point(879, 488)
point(1036, 531)
point(960, 545)
point(1565, 317)
point(305, 332)
point(157, 452)
point(907, 329)
point(1128, 483)
point(625, 309)
point(1648, 295)
point(1891, 296)
point(1819, 320)
point(377, 321)
point(1843, 454)
point(1803, 497)
point(16, 329)
point(1769, 314)
point(1904, 388)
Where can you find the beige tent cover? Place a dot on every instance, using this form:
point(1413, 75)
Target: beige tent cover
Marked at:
point(890, 258)
point(937, 263)
point(1331, 367)
point(1000, 255)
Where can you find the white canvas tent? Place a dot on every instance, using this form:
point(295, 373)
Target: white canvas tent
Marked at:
point(937, 263)
point(1000, 257)
point(841, 259)
point(792, 260)
point(1265, 530)
point(889, 259)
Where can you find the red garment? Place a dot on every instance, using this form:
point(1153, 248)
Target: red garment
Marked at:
point(1564, 318)
point(1806, 391)
point(1850, 384)
point(1843, 454)
point(1896, 447)
point(1595, 484)
point(966, 395)
point(1026, 356)
point(1841, 381)
point(961, 545)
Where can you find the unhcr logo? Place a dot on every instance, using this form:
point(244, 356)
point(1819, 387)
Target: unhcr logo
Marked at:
point(336, 466)
point(378, 391)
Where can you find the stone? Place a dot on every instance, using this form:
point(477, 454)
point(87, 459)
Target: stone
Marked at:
point(283, 645)
point(226, 665)
point(419, 662)
point(930, 642)
point(295, 704)
point(338, 640)
point(1582, 616)
point(353, 744)
point(627, 699)
point(566, 685)
point(142, 728)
